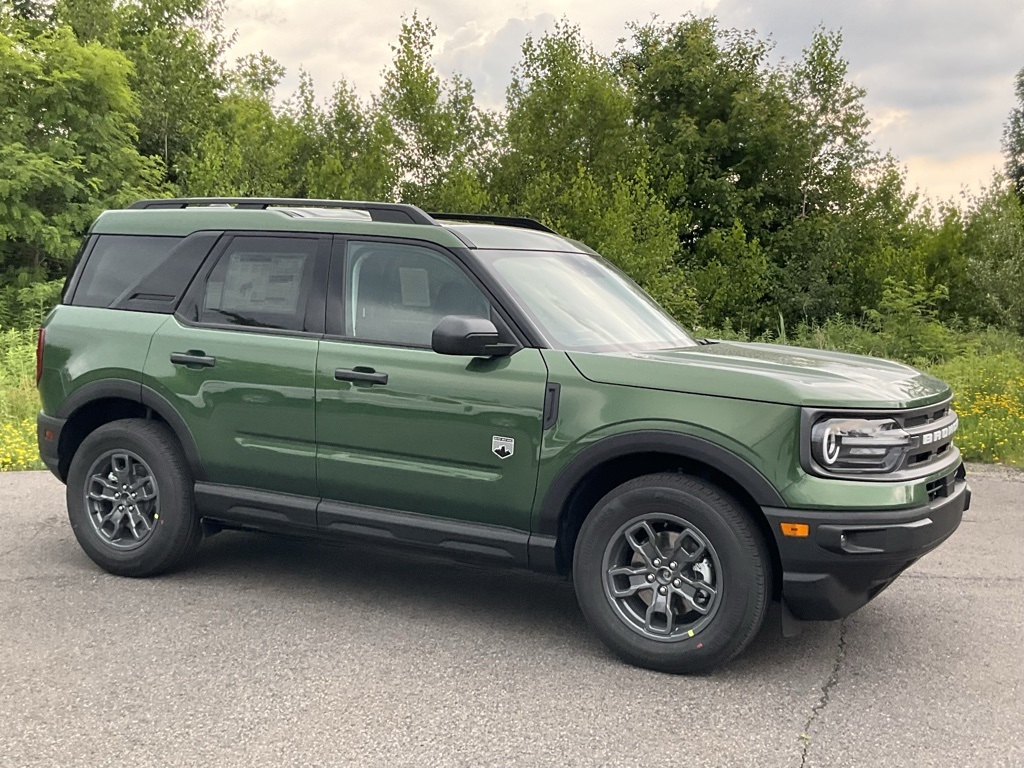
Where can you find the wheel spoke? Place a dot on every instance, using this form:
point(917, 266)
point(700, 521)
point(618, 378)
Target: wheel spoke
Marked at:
point(121, 465)
point(647, 550)
point(101, 489)
point(137, 521)
point(143, 489)
point(660, 606)
point(637, 581)
point(141, 519)
point(689, 589)
point(689, 548)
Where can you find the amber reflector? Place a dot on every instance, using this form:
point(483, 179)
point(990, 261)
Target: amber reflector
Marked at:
point(798, 530)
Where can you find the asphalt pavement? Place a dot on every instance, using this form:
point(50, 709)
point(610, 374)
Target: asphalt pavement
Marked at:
point(278, 652)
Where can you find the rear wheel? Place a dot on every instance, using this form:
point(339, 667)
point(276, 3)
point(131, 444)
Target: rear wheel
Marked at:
point(129, 496)
point(672, 574)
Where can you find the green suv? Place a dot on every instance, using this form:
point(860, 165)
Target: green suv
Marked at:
point(487, 389)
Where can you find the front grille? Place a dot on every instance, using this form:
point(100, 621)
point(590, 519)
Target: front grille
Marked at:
point(933, 428)
point(930, 451)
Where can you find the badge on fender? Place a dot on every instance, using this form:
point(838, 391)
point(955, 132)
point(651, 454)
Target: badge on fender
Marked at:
point(503, 447)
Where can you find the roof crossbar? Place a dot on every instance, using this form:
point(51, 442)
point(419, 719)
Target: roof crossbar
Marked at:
point(396, 213)
point(508, 221)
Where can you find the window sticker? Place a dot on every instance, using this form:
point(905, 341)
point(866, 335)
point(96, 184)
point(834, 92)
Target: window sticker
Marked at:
point(415, 287)
point(257, 282)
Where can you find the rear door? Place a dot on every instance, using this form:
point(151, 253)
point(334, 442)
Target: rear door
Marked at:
point(401, 427)
point(237, 362)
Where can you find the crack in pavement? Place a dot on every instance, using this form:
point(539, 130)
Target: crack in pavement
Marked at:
point(826, 692)
point(963, 577)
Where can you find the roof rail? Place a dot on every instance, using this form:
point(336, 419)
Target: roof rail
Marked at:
point(400, 213)
point(508, 221)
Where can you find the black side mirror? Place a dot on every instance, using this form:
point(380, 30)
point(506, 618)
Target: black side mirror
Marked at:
point(468, 336)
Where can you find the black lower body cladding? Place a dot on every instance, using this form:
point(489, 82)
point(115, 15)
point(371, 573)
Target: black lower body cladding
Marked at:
point(848, 558)
point(48, 430)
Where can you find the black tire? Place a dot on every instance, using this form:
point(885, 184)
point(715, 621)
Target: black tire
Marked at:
point(735, 565)
point(171, 529)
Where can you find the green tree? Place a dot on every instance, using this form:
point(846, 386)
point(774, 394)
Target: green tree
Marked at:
point(175, 47)
point(566, 109)
point(91, 20)
point(994, 246)
point(440, 136)
point(720, 125)
point(730, 274)
point(67, 147)
point(834, 126)
point(1013, 138)
point(570, 159)
point(250, 150)
point(352, 149)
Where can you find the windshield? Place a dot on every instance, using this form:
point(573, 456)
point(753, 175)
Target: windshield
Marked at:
point(582, 303)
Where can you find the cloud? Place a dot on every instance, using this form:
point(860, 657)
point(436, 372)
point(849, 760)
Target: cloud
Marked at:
point(486, 58)
point(938, 72)
point(946, 179)
point(944, 66)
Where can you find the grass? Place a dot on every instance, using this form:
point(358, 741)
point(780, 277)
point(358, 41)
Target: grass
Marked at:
point(985, 368)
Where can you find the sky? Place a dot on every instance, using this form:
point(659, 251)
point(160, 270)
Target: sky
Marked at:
point(938, 73)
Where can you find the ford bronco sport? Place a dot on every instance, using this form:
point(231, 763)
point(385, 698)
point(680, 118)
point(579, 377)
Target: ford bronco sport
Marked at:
point(486, 388)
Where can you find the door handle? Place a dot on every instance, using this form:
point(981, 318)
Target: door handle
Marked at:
point(193, 359)
point(366, 375)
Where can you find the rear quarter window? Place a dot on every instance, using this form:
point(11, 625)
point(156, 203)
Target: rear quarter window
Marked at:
point(116, 263)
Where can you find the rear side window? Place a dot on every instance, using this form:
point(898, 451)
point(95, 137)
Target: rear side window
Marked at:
point(261, 282)
point(116, 263)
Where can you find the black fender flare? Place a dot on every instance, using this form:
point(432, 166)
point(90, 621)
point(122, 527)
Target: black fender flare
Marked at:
point(651, 441)
point(136, 392)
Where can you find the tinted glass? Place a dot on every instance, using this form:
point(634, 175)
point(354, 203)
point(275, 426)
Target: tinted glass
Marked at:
point(159, 289)
point(261, 282)
point(116, 264)
point(582, 303)
point(397, 294)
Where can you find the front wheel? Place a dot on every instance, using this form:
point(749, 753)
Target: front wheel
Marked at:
point(671, 573)
point(129, 494)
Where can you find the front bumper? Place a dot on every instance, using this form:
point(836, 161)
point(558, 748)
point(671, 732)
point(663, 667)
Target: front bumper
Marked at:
point(848, 557)
point(48, 431)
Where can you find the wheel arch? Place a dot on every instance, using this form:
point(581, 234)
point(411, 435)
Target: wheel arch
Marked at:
point(101, 402)
point(615, 460)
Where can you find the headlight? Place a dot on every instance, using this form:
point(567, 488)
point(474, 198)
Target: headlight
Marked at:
point(858, 445)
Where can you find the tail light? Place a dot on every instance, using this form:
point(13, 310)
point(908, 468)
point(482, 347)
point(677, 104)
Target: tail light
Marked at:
point(40, 343)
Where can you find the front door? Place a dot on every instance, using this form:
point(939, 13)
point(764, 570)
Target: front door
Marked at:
point(400, 427)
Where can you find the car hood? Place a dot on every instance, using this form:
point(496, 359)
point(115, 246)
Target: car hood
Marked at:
point(769, 373)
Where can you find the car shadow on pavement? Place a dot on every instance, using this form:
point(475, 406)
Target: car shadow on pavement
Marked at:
point(415, 586)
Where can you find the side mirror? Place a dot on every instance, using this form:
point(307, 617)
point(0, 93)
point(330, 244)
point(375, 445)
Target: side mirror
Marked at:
point(468, 336)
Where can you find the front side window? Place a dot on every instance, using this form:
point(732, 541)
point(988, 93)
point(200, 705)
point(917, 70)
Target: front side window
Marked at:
point(261, 282)
point(397, 294)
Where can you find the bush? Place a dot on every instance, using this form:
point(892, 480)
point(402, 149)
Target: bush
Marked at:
point(990, 402)
point(19, 401)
